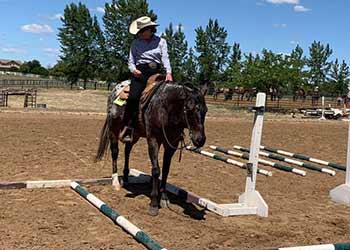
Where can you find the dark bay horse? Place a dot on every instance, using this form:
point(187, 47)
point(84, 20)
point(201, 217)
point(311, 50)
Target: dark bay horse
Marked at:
point(172, 108)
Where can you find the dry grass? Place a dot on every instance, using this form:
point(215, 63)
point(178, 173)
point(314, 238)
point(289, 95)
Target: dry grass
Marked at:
point(95, 101)
point(67, 100)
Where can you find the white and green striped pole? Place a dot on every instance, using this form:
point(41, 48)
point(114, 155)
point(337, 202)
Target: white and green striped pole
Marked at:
point(262, 161)
point(304, 157)
point(291, 161)
point(137, 233)
point(336, 246)
point(227, 160)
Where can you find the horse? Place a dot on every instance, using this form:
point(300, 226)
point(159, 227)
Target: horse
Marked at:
point(240, 91)
point(314, 94)
point(251, 93)
point(172, 108)
point(216, 92)
point(275, 94)
point(299, 94)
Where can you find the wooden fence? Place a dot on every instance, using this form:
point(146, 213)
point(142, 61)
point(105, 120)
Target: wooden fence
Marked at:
point(48, 83)
point(284, 104)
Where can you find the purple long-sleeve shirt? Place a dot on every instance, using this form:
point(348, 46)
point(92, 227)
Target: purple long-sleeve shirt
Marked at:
point(155, 50)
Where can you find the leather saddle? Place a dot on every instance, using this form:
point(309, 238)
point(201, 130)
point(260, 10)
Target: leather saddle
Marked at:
point(153, 84)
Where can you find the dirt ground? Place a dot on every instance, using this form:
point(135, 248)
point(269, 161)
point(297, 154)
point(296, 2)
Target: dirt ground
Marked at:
point(60, 145)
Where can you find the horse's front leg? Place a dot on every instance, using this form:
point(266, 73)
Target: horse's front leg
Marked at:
point(128, 147)
point(168, 154)
point(153, 150)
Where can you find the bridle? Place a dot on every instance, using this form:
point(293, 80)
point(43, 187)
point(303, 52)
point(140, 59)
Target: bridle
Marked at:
point(182, 136)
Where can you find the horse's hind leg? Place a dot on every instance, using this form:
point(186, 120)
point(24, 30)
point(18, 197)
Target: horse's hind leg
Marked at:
point(168, 154)
point(115, 151)
point(153, 150)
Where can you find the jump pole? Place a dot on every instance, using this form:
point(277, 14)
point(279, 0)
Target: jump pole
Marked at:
point(136, 177)
point(304, 157)
point(262, 161)
point(291, 161)
point(341, 194)
point(137, 233)
point(336, 246)
point(227, 160)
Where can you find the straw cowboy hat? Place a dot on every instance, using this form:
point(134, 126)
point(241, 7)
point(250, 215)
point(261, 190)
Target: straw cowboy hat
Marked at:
point(140, 23)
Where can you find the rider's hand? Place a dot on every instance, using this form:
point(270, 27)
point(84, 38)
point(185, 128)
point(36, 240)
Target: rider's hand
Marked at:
point(137, 73)
point(168, 77)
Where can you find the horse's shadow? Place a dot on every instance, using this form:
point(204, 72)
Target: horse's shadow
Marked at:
point(188, 208)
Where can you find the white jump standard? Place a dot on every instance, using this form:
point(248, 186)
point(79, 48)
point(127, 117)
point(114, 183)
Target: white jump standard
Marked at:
point(341, 194)
point(251, 202)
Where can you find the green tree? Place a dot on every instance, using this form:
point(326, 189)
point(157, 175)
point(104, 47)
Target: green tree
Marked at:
point(297, 76)
point(213, 51)
point(78, 43)
point(318, 63)
point(233, 71)
point(251, 74)
point(177, 49)
point(190, 68)
point(117, 18)
point(339, 78)
point(58, 70)
point(98, 52)
point(33, 67)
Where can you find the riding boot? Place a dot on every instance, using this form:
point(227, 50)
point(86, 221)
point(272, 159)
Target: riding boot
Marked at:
point(127, 133)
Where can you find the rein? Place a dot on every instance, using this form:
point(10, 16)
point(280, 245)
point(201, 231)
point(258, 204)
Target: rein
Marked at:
point(182, 136)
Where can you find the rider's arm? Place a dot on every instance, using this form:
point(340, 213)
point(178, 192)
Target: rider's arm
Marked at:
point(131, 61)
point(165, 56)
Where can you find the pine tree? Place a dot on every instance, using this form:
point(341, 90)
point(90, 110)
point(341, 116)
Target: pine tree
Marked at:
point(78, 40)
point(233, 71)
point(118, 16)
point(190, 68)
point(339, 75)
point(318, 63)
point(213, 51)
point(296, 74)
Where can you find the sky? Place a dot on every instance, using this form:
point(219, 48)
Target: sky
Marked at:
point(29, 28)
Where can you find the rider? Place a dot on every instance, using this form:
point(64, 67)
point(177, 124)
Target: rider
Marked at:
point(148, 56)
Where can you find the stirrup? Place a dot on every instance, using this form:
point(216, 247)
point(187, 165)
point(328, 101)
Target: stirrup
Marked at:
point(124, 136)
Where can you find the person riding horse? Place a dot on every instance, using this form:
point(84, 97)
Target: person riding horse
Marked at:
point(172, 108)
point(148, 56)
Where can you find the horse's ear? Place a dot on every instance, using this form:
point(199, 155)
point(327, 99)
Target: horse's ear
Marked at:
point(204, 89)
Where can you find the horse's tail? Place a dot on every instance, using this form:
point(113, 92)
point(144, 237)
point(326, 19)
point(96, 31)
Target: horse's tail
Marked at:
point(104, 141)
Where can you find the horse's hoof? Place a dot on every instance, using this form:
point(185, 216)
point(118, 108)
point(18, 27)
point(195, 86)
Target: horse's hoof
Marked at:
point(116, 185)
point(125, 184)
point(153, 211)
point(164, 203)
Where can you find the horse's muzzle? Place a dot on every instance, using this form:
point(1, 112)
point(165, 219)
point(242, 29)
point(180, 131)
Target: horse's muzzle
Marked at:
point(199, 141)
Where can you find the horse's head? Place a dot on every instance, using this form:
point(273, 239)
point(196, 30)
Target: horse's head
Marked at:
point(195, 110)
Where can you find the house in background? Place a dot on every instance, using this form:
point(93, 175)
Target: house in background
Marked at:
point(8, 65)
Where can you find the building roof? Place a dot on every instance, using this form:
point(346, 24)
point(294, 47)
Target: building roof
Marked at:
point(9, 61)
